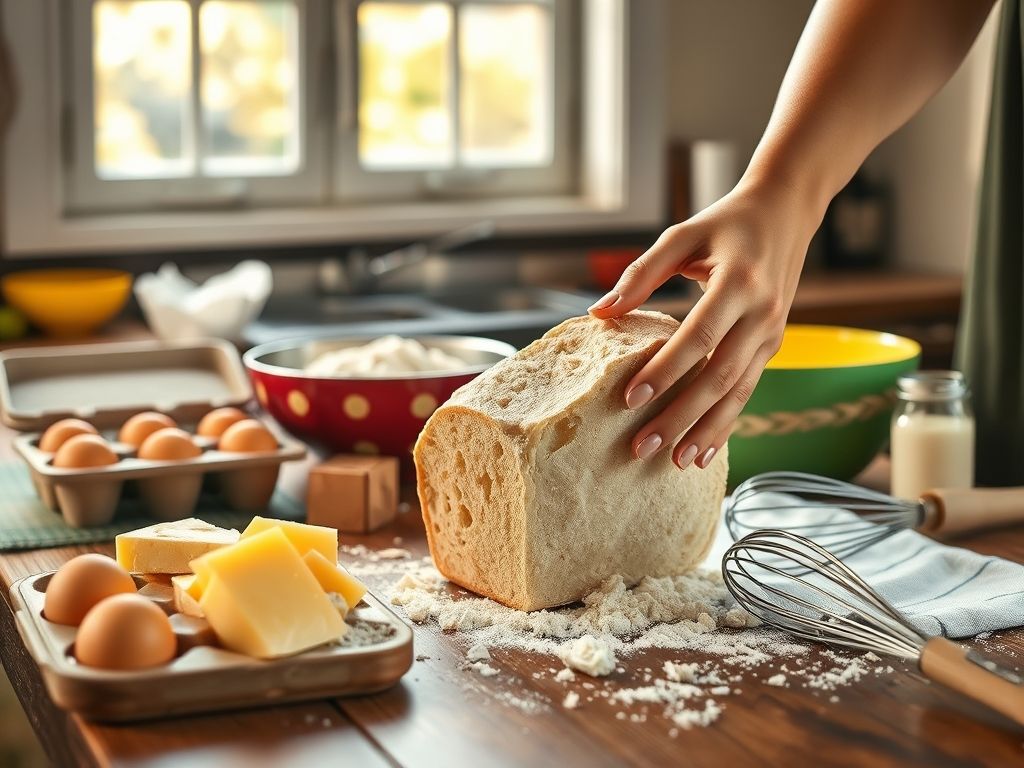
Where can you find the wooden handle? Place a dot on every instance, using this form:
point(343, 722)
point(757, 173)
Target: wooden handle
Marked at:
point(974, 676)
point(956, 511)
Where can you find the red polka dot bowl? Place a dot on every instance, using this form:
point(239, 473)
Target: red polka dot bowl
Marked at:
point(360, 414)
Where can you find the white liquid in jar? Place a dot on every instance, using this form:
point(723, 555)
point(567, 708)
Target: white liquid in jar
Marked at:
point(929, 451)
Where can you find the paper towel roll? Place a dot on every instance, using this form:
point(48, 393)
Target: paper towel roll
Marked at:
point(713, 172)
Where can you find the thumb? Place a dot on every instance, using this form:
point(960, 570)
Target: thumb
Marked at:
point(641, 278)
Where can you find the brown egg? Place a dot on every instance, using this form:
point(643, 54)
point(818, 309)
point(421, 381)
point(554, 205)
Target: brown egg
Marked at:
point(215, 422)
point(80, 584)
point(170, 444)
point(248, 436)
point(125, 632)
point(82, 451)
point(142, 425)
point(61, 431)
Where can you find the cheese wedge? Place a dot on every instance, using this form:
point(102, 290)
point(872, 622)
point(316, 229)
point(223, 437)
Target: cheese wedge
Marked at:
point(262, 600)
point(334, 578)
point(202, 578)
point(183, 600)
point(302, 536)
point(170, 547)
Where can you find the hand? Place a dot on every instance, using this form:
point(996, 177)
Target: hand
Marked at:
point(748, 250)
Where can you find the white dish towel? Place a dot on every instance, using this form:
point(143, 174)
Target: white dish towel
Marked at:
point(943, 590)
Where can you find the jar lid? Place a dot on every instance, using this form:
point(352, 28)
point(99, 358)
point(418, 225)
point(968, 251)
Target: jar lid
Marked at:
point(932, 385)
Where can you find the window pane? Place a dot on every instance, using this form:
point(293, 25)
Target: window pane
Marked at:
point(405, 85)
point(141, 74)
point(250, 71)
point(505, 58)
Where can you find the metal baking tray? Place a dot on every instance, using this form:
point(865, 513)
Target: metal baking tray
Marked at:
point(205, 678)
point(107, 383)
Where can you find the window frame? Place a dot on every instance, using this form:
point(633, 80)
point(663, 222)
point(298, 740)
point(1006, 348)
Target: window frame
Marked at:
point(352, 182)
point(620, 175)
point(86, 191)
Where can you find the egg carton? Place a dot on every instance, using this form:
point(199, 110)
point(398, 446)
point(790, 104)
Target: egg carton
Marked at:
point(168, 490)
point(203, 677)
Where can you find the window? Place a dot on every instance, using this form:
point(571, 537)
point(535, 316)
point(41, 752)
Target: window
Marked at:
point(180, 102)
point(225, 123)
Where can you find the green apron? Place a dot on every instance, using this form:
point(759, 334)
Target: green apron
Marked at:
point(990, 344)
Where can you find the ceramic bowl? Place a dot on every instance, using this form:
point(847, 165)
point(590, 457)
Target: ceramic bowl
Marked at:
point(823, 404)
point(360, 414)
point(68, 303)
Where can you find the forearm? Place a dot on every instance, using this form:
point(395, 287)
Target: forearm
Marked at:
point(861, 70)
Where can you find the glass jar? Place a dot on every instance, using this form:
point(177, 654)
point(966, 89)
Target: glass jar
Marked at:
point(932, 436)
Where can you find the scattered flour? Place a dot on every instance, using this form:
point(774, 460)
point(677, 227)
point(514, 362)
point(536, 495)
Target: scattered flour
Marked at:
point(485, 669)
point(361, 632)
point(676, 612)
point(687, 718)
point(691, 613)
point(588, 654)
point(478, 652)
point(680, 673)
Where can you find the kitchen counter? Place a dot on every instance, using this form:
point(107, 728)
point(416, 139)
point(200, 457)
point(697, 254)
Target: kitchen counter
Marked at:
point(444, 715)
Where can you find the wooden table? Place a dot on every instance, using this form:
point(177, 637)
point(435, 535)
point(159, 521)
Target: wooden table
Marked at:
point(444, 715)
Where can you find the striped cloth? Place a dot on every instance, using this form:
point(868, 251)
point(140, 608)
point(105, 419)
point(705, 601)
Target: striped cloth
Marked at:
point(943, 590)
point(26, 523)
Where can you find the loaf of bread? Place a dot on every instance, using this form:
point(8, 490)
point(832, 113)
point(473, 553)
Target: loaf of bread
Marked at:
point(529, 489)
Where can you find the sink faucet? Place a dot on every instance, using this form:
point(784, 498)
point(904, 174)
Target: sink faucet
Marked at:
point(361, 273)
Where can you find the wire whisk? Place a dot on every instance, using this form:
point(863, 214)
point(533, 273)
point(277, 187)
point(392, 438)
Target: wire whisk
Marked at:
point(813, 507)
point(830, 603)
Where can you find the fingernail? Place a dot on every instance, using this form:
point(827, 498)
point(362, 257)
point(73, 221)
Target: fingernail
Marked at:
point(706, 458)
point(648, 445)
point(686, 457)
point(605, 301)
point(639, 395)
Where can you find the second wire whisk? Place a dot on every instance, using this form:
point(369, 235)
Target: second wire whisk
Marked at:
point(814, 506)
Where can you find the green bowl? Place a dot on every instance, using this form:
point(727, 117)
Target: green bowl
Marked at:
point(823, 404)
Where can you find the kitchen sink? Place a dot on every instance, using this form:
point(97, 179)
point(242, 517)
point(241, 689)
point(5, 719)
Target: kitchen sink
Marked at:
point(515, 314)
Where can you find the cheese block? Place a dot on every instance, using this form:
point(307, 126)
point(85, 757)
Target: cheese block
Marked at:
point(262, 600)
point(202, 575)
point(302, 536)
point(334, 578)
point(170, 547)
point(184, 602)
point(530, 492)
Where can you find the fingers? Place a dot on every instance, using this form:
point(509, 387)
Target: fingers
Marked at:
point(713, 383)
point(643, 276)
point(705, 438)
point(701, 331)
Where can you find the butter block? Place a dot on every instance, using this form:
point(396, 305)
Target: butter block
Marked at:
point(169, 547)
point(262, 600)
point(355, 494)
point(184, 602)
point(334, 578)
point(302, 536)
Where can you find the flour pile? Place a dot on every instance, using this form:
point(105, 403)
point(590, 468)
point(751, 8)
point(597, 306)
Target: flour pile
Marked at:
point(693, 614)
point(667, 612)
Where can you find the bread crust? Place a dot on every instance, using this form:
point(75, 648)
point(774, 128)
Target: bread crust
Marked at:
point(530, 493)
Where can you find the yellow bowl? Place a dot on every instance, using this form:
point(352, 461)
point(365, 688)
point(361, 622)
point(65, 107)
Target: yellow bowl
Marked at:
point(68, 302)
